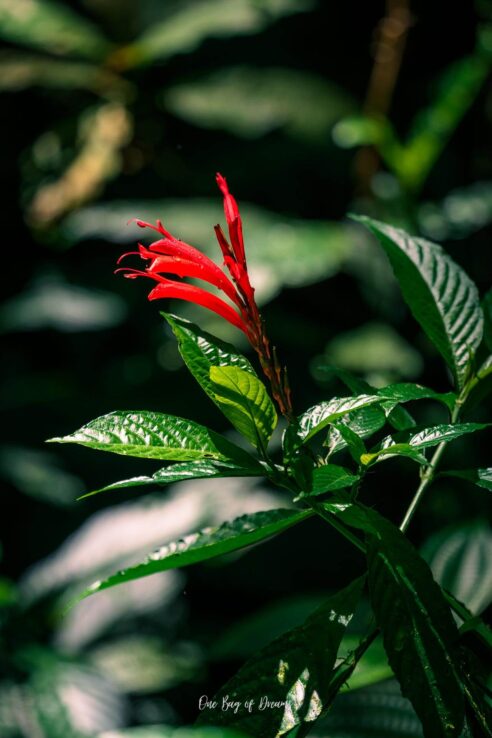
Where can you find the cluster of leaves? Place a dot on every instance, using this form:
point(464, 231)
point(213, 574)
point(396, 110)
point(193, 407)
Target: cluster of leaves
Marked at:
point(303, 670)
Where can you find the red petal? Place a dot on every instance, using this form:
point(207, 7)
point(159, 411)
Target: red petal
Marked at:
point(233, 219)
point(190, 293)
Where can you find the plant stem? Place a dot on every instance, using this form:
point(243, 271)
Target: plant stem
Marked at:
point(429, 472)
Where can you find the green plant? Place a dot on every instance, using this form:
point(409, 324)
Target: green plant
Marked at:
point(430, 638)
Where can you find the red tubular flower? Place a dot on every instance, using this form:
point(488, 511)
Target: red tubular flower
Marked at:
point(169, 255)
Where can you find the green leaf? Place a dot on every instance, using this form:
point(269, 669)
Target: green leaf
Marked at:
point(319, 416)
point(441, 296)
point(184, 28)
point(52, 27)
point(207, 544)
point(354, 443)
point(363, 423)
point(166, 731)
point(151, 435)
point(407, 392)
point(420, 636)
point(201, 351)
point(480, 477)
point(293, 671)
point(423, 439)
point(245, 401)
point(251, 102)
point(328, 478)
point(485, 369)
point(202, 469)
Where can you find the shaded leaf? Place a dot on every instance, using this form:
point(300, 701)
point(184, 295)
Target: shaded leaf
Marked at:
point(480, 477)
point(328, 478)
point(407, 391)
point(441, 296)
point(245, 401)
point(487, 313)
point(293, 671)
point(202, 469)
point(151, 435)
point(52, 27)
point(206, 544)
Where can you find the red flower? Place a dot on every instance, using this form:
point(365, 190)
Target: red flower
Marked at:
point(169, 255)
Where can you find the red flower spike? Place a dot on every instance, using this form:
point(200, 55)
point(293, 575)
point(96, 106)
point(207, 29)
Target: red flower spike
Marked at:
point(169, 255)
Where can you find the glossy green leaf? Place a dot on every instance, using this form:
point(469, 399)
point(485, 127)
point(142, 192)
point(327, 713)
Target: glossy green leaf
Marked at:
point(181, 472)
point(363, 423)
point(245, 401)
point(328, 478)
point(407, 392)
point(320, 416)
point(152, 435)
point(207, 544)
point(419, 633)
point(425, 438)
point(480, 477)
point(51, 26)
point(186, 26)
point(441, 296)
point(201, 351)
point(354, 442)
point(293, 672)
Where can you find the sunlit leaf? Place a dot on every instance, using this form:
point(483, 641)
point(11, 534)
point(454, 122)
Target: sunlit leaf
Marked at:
point(180, 472)
point(151, 435)
point(441, 296)
point(321, 415)
point(244, 399)
point(206, 544)
point(251, 102)
point(293, 671)
point(50, 26)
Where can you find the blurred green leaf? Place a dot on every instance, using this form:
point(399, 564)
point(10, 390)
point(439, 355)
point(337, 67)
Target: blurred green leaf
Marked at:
point(21, 71)
point(206, 544)
point(51, 26)
point(372, 668)
point(39, 475)
point(252, 102)
point(377, 351)
point(189, 23)
point(461, 213)
point(151, 435)
point(282, 251)
point(459, 560)
point(441, 296)
point(434, 126)
point(180, 472)
point(487, 313)
point(51, 303)
point(293, 671)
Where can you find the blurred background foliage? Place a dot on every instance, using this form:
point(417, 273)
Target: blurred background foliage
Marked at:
point(116, 109)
